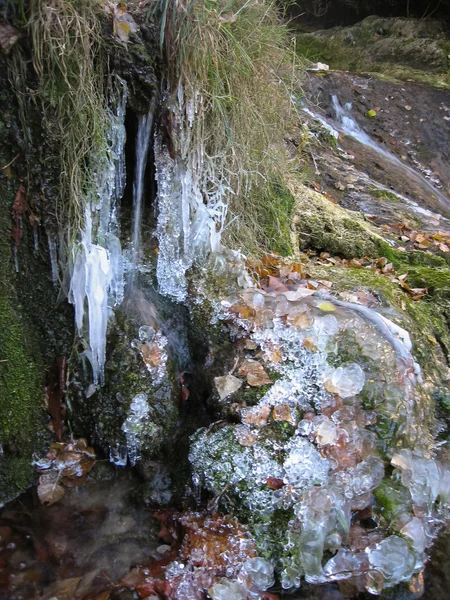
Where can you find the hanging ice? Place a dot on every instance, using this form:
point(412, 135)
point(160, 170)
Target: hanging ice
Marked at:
point(190, 202)
point(97, 272)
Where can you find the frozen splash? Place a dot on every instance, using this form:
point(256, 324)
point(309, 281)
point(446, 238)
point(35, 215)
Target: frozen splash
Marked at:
point(190, 202)
point(326, 441)
point(97, 274)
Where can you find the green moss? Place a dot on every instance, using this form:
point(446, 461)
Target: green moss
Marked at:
point(384, 195)
point(361, 48)
point(324, 226)
point(21, 373)
point(392, 499)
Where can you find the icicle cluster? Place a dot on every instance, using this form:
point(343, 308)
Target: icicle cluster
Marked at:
point(191, 200)
point(97, 275)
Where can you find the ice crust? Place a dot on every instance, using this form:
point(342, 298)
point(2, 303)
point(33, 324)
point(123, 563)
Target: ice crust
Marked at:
point(333, 463)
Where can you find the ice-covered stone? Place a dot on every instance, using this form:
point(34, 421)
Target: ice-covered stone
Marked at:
point(146, 333)
point(344, 564)
point(421, 475)
point(227, 590)
point(258, 572)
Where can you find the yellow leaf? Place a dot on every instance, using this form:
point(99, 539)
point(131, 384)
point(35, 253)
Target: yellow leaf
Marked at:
point(326, 307)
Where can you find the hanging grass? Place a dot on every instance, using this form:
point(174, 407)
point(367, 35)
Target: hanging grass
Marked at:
point(66, 42)
point(236, 55)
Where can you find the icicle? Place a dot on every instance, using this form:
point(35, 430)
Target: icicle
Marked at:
point(16, 260)
point(116, 288)
point(78, 287)
point(98, 277)
point(191, 203)
point(97, 273)
point(35, 239)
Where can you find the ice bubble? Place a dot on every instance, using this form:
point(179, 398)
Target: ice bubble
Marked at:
point(348, 380)
point(227, 590)
point(303, 464)
point(260, 571)
point(146, 333)
point(393, 559)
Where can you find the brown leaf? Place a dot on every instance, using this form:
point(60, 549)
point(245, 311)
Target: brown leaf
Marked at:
point(8, 37)
point(257, 415)
point(49, 493)
point(256, 375)
point(275, 483)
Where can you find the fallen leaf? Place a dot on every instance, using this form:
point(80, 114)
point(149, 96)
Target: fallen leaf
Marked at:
point(275, 483)
point(432, 339)
point(8, 37)
point(298, 294)
point(49, 493)
point(327, 307)
point(227, 385)
point(255, 373)
point(309, 344)
point(282, 412)
point(257, 415)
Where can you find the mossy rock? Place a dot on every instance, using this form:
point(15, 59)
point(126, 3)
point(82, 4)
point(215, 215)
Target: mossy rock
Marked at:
point(324, 226)
point(101, 416)
point(393, 48)
point(34, 329)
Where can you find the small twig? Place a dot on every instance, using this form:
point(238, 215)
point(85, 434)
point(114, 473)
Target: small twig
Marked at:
point(234, 366)
point(11, 162)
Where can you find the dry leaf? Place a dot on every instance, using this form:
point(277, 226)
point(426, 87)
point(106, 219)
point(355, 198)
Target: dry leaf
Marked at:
point(309, 344)
point(8, 37)
point(327, 307)
point(49, 493)
point(227, 385)
point(432, 339)
point(257, 415)
point(275, 483)
point(282, 412)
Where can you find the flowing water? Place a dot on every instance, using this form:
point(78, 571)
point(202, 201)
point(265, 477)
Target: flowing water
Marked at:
point(348, 125)
point(143, 140)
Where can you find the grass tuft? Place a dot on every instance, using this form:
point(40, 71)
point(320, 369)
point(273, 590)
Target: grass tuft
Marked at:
point(237, 56)
point(66, 40)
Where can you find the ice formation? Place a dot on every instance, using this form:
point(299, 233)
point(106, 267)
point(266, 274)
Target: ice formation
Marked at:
point(190, 201)
point(136, 425)
point(97, 272)
point(348, 396)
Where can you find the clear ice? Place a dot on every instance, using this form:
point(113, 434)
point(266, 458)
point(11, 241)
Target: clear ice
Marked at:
point(191, 201)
